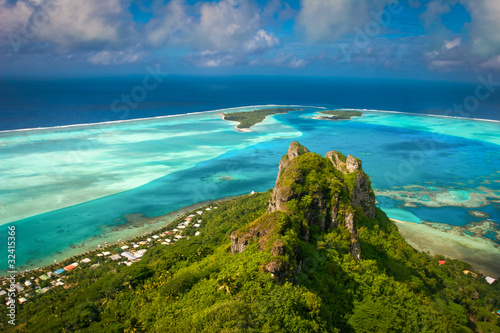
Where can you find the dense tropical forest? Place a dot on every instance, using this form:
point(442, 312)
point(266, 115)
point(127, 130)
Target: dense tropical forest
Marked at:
point(340, 114)
point(250, 118)
point(311, 255)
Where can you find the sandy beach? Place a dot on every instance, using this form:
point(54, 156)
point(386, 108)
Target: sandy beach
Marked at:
point(480, 253)
point(236, 127)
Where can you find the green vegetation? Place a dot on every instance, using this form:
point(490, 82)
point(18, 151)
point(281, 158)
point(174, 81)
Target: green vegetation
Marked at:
point(340, 114)
point(250, 118)
point(198, 285)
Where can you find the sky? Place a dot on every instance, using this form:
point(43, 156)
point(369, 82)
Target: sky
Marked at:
point(454, 40)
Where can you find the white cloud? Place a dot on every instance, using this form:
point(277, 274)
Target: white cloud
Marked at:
point(89, 21)
point(262, 41)
point(288, 60)
point(170, 26)
point(449, 44)
point(434, 10)
point(484, 26)
point(214, 59)
point(128, 56)
point(327, 20)
point(225, 25)
point(13, 17)
point(66, 25)
point(492, 63)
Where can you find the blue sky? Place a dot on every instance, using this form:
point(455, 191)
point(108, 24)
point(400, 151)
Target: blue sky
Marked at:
point(445, 40)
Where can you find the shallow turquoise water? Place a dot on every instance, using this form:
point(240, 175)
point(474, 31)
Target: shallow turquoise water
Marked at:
point(156, 166)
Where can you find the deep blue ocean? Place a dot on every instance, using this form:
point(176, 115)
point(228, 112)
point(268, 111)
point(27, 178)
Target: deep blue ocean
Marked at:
point(45, 103)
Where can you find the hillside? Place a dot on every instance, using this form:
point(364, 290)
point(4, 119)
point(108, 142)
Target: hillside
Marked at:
point(314, 254)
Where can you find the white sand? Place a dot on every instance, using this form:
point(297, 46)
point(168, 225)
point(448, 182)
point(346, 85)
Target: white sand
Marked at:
point(483, 255)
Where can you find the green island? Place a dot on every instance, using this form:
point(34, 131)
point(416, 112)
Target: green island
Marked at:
point(249, 118)
point(340, 114)
point(313, 254)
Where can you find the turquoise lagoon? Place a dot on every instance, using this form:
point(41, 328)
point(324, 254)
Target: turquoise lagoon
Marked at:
point(67, 189)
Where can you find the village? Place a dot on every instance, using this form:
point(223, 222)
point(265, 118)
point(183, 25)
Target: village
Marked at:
point(31, 283)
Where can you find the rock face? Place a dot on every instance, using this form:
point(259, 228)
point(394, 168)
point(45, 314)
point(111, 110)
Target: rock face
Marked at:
point(318, 193)
point(281, 195)
point(361, 192)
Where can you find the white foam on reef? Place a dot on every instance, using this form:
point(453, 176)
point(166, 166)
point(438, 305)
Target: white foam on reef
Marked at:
point(421, 114)
point(113, 122)
point(468, 128)
point(59, 167)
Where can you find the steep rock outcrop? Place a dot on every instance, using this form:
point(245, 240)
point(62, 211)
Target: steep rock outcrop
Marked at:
point(282, 193)
point(311, 192)
point(359, 184)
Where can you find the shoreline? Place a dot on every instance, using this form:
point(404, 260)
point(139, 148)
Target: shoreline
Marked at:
point(234, 108)
point(148, 225)
point(149, 118)
point(244, 130)
point(482, 255)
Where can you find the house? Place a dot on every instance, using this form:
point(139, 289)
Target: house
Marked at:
point(86, 260)
point(124, 247)
point(69, 268)
point(196, 225)
point(106, 253)
point(59, 271)
point(2, 292)
point(22, 300)
point(27, 283)
point(441, 262)
point(190, 216)
point(498, 312)
point(490, 280)
point(116, 257)
point(467, 272)
point(141, 252)
point(156, 236)
point(45, 277)
point(197, 233)
point(199, 212)
point(135, 246)
point(208, 209)
point(129, 256)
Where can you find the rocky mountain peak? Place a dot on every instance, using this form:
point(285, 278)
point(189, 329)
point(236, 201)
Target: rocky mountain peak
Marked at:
point(313, 193)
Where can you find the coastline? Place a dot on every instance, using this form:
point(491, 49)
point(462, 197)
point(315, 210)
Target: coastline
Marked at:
point(151, 118)
point(479, 253)
point(233, 108)
point(245, 130)
point(137, 225)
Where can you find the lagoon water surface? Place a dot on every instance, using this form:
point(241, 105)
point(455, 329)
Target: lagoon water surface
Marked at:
point(67, 189)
